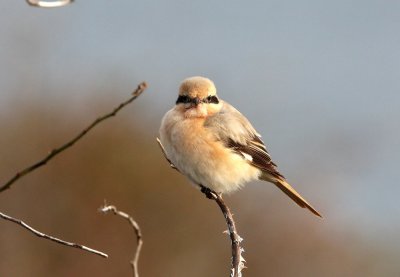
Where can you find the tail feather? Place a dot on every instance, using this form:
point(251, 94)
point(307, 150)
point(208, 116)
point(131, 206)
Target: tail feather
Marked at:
point(294, 195)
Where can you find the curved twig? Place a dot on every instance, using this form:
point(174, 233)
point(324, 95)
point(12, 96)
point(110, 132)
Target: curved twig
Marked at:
point(48, 4)
point(237, 259)
point(42, 235)
point(165, 155)
point(141, 87)
point(135, 226)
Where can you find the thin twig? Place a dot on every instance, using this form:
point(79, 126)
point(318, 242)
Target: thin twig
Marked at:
point(237, 259)
point(134, 262)
point(165, 155)
point(42, 235)
point(48, 4)
point(141, 87)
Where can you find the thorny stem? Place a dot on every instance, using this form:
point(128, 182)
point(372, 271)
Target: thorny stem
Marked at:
point(237, 259)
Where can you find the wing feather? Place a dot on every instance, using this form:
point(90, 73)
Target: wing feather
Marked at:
point(235, 131)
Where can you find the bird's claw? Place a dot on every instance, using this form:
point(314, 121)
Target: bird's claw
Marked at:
point(208, 192)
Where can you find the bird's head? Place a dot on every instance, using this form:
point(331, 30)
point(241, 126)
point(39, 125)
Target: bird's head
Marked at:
point(198, 97)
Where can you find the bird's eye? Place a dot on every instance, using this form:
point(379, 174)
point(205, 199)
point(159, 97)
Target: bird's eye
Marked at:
point(212, 99)
point(183, 99)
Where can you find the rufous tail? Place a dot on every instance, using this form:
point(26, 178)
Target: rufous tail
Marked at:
point(296, 197)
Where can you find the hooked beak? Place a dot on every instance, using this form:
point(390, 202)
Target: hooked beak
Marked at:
point(196, 101)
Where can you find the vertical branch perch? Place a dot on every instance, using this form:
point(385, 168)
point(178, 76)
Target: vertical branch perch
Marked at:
point(237, 259)
point(135, 226)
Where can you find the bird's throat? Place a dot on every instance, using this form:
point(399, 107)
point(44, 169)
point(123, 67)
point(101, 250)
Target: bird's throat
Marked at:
point(196, 111)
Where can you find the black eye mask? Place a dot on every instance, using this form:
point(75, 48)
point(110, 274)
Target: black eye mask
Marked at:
point(186, 99)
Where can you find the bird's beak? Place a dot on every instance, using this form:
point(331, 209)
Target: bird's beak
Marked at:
point(196, 101)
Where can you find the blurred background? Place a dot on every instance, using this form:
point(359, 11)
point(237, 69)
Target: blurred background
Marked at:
point(319, 80)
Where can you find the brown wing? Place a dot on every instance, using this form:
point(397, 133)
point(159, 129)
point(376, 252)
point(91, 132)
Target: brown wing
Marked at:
point(259, 156)
point(234, 130)
point(231, 128)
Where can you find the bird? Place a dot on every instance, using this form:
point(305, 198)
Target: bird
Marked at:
point(215, 146)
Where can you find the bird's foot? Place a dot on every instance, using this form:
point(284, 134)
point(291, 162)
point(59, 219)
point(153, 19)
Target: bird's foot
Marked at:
point(210, 194)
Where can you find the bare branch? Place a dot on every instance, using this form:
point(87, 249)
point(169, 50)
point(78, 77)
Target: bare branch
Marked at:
point(48, 4)
point(141, 87)
point(42, 235)
point(237, 258)
point(134, 262)
point(165, 155)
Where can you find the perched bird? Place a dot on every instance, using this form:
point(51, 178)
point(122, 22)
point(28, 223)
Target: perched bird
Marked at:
point(214, 145)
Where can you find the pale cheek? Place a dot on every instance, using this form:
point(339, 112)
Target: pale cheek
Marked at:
point(213, 108)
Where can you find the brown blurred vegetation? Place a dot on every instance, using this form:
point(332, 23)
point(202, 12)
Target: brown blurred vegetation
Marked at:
point(183, 231)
